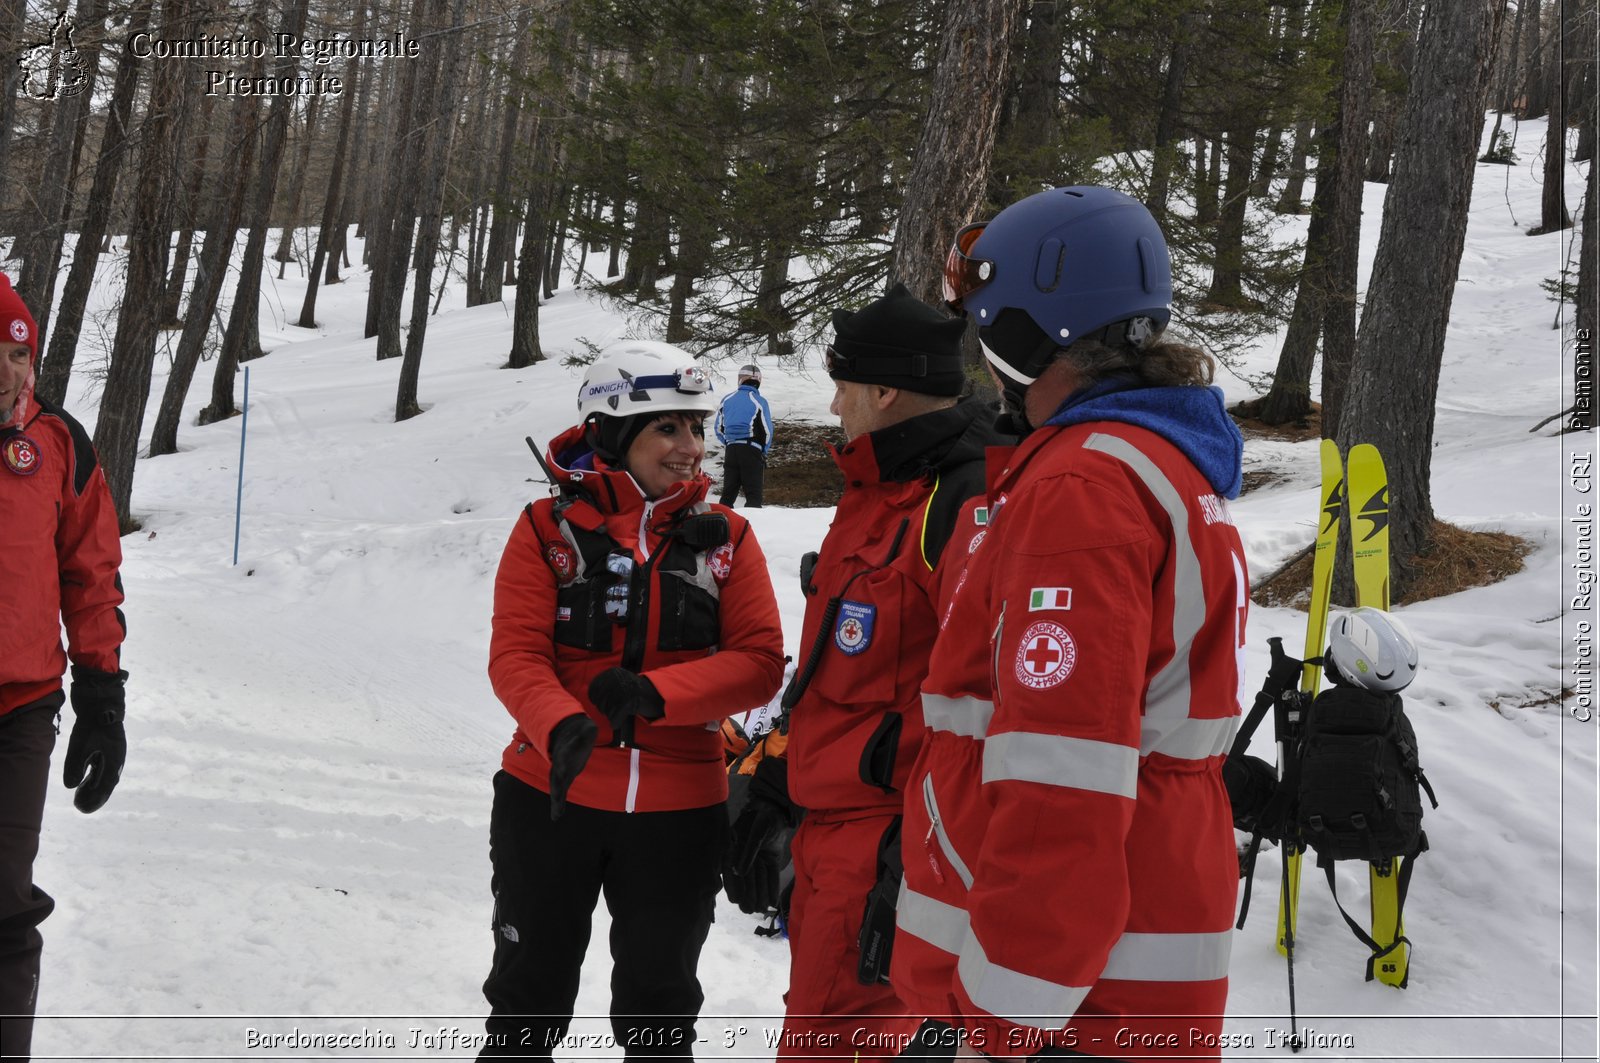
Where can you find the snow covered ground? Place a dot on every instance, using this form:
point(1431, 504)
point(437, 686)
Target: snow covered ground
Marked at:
point(298, 849)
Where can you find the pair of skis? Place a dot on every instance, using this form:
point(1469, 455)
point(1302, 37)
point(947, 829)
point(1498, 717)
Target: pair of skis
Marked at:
point(1366, 483)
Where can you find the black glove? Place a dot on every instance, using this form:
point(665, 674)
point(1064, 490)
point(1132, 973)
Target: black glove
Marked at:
point(571, 742)
point(876, 940)
point(755, 852)
point(620, 695)
point(97, 748)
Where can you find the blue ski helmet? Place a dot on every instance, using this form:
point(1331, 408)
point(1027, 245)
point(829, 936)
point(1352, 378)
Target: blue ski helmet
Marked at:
point(1075, 261)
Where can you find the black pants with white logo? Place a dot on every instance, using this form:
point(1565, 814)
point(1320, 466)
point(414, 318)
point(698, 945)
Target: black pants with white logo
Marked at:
point(743, 466)
point(658, 872)
point(27, 735)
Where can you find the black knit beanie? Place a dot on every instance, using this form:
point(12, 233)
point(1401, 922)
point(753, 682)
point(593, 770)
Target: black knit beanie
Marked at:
point(899, 341)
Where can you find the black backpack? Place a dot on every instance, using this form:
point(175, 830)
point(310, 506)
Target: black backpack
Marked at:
point(1351, 788)
point(1359, 796)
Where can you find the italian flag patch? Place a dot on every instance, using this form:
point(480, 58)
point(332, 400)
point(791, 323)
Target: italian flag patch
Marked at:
point(1049, 598)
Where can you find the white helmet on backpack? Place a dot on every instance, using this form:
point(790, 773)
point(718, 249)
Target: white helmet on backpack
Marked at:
point(1373, 650)
point(644, 376)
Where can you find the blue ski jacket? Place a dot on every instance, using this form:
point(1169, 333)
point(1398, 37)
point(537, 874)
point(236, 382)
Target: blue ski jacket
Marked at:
point(745, 417)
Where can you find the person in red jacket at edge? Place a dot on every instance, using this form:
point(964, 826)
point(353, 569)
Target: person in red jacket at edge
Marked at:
point(630, 617)
point(59, 555)
point(1070, 871)
point(913, 463)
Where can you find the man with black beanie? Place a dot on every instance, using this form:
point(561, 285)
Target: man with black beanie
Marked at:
point(58, 569)
point(913, 470)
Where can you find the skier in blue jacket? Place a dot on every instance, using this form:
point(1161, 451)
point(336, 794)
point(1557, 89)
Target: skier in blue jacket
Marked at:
point(744, 428)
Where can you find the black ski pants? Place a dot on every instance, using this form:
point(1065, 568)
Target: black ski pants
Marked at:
point(658, 872)
point(743, 466)
point(27, 737)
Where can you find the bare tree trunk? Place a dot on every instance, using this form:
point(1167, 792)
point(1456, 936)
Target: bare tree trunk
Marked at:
point(440, 137)
point(1578, 29)
point(211, 268)
point(1531, 98)
point(347, 208)
point(1292, 199)
point(558, 240)
point(950, 165)
point(297, 185)
point(389, 268)
point(1344, 223)
point(56, 368)
point(41, 250)
point(1030, 119)
point(330, 204)
point(380, 215)
point(1227, 269)
point(614, 260)
point(13, 20)
point(525, 349)
point(1165, 150)
point(133, 352)
point(1289, 398)
point(242, 340)
point(1392, 400)
point(769, 300)
point(188, 211)
point(503, 226)
point(694, 245)
point(1588, 288)
point(1398, 20)
point(1553, 216)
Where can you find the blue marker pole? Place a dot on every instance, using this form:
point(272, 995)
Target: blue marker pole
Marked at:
point(238, 504)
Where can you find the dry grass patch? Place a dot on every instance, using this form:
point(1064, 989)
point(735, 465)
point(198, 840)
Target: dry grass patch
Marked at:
point(1454, 560)
point(1307, 427)
point(800, 471)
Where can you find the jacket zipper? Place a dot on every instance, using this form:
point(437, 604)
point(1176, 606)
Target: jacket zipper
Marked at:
point(936, 828)
point(994, 656)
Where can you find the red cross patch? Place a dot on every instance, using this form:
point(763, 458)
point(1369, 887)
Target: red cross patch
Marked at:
point(721, 562)
point(21, 456)
point(1046, 655)
point(561, 560)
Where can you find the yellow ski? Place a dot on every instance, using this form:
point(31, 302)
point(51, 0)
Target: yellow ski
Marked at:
point(1332, 498)
point(1369, 530)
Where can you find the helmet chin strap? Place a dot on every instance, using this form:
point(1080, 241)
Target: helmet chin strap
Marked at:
point(1013, 419)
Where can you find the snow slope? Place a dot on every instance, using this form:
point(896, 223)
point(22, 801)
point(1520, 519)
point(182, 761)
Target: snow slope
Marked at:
point(298, 849)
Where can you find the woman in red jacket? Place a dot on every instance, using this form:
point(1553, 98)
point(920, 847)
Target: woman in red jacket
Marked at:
point(630, 617)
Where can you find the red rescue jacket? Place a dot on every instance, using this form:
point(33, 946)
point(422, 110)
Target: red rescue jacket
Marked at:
point(710, 640)
point(1069, 857)
point(855, 732)
point(59, 554)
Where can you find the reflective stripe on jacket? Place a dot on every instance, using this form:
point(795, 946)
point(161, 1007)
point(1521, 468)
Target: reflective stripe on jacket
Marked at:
point(745, 417)
point(1069, 850)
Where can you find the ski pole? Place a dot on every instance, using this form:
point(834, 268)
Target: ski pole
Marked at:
point(1288, 944)
point(238, 502)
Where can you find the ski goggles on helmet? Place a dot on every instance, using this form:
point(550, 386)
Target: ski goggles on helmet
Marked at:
point(690, 380)
point(964, 274)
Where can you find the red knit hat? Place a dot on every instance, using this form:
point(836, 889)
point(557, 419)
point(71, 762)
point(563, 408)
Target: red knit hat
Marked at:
point(16, 324)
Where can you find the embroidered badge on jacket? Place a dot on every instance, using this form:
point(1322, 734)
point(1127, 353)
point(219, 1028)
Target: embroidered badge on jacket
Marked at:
point(21, 455)
point(1046, 655)
point(853, 631)
point(720, 562)
point(562, 561)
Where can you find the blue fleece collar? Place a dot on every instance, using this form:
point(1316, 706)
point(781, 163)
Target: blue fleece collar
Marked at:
point(1193, 419)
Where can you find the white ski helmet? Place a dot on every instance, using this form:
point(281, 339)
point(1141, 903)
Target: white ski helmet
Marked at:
point(1373, 650)
point(644, 376)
